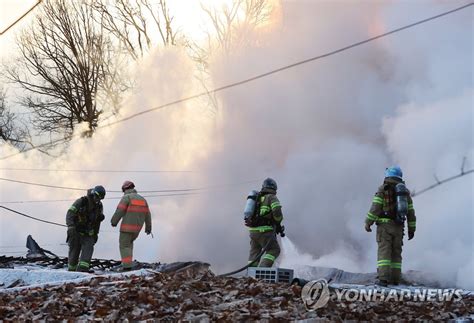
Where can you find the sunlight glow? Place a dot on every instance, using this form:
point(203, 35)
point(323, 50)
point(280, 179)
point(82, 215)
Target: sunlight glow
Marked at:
point(193, 21)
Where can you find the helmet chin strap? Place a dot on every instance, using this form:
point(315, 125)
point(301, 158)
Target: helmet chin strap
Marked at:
point(95, 198)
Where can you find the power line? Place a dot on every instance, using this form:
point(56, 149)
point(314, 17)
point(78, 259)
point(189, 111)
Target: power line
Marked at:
point(259, 76)
point(438, 182)
point(46, 144)
point(254, 78)
point(46, 185)
point(23, 16)
point(32, 217)
point(45, 221)
point(107, 198)
point(142, 191)
point(94, 170)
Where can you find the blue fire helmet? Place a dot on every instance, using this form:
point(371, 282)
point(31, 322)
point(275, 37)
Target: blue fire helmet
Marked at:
point(394, 171)
point(99, 190)
point(270, 183)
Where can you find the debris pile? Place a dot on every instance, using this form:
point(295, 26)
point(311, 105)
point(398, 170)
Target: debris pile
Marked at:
point(193, 293)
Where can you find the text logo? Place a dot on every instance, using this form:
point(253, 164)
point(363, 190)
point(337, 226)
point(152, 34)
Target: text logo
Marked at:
point(315, 294)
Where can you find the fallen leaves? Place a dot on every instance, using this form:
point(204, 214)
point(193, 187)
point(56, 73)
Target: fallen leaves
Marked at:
point(193, 293)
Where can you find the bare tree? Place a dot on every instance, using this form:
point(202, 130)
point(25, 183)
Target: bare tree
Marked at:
point(64, 63)
point(233, 24)
point(138, 25)
point(10, 131)
point(230, 28)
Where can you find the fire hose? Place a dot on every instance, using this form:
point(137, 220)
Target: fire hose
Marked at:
point(264, 249)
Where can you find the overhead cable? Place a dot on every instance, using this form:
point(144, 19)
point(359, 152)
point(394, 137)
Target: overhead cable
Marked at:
point(142, 191)
point(290, 66)
point(44, 221)
point(93, 170)
point(107, 198)
point(438, 182)
point(32, 217)
point(18, 20)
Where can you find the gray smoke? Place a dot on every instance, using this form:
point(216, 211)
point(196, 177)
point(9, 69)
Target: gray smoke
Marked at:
point(325, 131)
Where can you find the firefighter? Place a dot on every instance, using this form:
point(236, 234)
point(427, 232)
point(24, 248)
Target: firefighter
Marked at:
point(83, 223)
point(134, 212)
point(267, 222)
point(389, 213)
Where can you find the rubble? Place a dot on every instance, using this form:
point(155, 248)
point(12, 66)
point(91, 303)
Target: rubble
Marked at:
point(191, 292)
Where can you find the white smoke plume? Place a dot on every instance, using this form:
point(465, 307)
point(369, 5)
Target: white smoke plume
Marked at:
point(325, 131)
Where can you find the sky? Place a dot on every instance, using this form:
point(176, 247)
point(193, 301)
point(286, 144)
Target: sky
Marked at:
point(11, 10)
point(324, 130)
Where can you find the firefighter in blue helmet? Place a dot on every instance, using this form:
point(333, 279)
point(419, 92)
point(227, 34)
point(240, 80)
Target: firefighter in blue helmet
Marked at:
point(83, 223)
point(265, 224)
point(391, 206)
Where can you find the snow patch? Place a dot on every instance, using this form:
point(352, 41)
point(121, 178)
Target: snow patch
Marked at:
point(31, 277)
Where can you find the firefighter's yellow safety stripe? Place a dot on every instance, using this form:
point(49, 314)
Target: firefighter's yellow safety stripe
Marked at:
point(377, 200)
point(372, 217)
point(263, 228)
point(264, 209)
point(269, 257)
point(83, 264)
point(384, 263)
point(412, 224)
point(410, 207)
point(275, 205)
point(383, 220)
point(396, 265)
point(73, 209)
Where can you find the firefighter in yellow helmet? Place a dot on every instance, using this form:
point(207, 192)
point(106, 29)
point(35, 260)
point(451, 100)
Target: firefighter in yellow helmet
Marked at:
point(391, 206)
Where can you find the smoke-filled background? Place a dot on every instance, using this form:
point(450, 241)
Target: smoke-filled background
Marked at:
point(325, 131)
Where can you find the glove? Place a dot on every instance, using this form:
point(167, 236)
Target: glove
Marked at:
point(280, 229)
point(113, 224)
point(100, 218)
point(411, 235)
point(367, 227)
point(148, 231)
point(96, 237)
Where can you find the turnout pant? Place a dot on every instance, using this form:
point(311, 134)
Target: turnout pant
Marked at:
point(81, 248)
point(389, 257)
point(258, 240)
point(126, 247)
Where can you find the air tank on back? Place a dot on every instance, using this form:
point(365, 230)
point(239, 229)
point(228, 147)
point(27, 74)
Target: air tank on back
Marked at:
point(251, 204)
point(401, 192)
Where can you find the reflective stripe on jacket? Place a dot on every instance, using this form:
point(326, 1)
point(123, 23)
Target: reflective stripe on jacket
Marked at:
point(377, 215)
point(270, 210)
point(133, 210)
